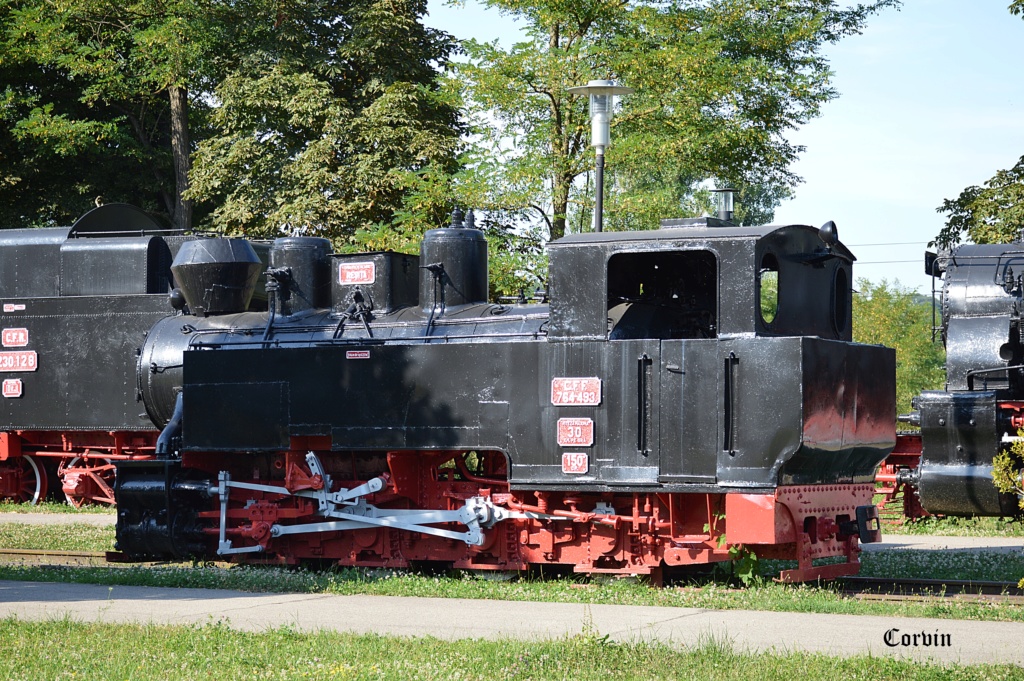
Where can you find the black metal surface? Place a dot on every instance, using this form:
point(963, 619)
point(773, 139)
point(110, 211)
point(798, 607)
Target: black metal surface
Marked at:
point(814, 290)
point(120, 219)
point(960, 436)
point(701, 410)
point(30, 264)
point(114, 266)
point(80, 302)
point(308, 261)
point(156, 511)
point(217, 276)
point(453, 268)
point(963, 427)
point(86, 357)
point(390, 281)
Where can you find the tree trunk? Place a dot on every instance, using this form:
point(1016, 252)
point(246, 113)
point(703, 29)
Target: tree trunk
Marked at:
point(180, 150)
point(559, 192)
point(560, 207)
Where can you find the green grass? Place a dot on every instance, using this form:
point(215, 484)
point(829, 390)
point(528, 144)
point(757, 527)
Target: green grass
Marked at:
point(71, 537)
point(958, 527)
point(715, 593)
point(53, 507)
point(710, 595)
point(64, 649)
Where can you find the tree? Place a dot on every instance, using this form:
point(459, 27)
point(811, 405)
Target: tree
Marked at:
point(302, 113)
point(60, 150)
point(332, 139)
point(890, 315)
point(718, 84)
point(123, 56)
point(993, 214)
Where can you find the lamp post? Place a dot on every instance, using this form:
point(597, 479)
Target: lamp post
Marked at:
point(600, 93)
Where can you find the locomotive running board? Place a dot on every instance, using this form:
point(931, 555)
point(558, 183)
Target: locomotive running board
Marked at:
point(353, 513)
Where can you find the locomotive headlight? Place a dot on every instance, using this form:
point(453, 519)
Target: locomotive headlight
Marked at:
point(600, 93)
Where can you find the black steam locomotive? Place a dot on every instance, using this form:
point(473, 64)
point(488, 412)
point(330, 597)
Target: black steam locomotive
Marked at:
point(77, 304)
point(947, 467)
point(380, 411)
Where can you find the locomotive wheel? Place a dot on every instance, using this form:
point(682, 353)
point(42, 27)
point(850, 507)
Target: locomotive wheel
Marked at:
point(26, 480)
point(87, 481)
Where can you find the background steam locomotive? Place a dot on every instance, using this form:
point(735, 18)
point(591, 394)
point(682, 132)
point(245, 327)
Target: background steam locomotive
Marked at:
point(947, 467)
point(381, 411)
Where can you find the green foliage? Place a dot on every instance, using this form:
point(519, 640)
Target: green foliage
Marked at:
point(123, 71)
point(1007, 470)
point(890, 315)
point(310, 115)
point(769, 294)
point(340, 135)
point(518, 265)
point(60, 147)
point(992, 214)
point(718, 85)
point(745, 565)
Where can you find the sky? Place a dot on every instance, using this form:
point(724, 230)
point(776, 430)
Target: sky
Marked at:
point(931, 100)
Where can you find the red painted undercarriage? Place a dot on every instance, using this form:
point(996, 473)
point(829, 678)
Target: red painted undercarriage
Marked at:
point(392, 509)
point(33, 462)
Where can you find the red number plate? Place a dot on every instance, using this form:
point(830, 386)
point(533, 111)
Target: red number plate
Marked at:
point(12, 387)
point(15, 338)
point(575, 432)
point(357, 273)
point(18, 360)
point(575, 463)
point(357, 354)
point(582, 392)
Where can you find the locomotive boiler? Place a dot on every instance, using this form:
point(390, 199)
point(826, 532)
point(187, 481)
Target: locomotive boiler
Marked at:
point(947, 467)
point(381, 411)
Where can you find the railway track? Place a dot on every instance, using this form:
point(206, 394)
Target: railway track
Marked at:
point(52, 558)
point(884, 589)
point(39, 558)
point(861, 588)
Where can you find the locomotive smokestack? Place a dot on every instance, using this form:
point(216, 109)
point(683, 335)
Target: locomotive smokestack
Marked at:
point(216, 276)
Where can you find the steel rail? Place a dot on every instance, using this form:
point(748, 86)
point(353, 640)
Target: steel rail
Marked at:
point(880, 588)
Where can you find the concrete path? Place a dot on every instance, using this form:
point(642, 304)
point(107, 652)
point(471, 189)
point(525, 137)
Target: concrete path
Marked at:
point(965, 642)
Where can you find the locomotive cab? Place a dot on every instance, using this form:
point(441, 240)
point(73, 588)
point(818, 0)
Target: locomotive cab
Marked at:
point(698, 279)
